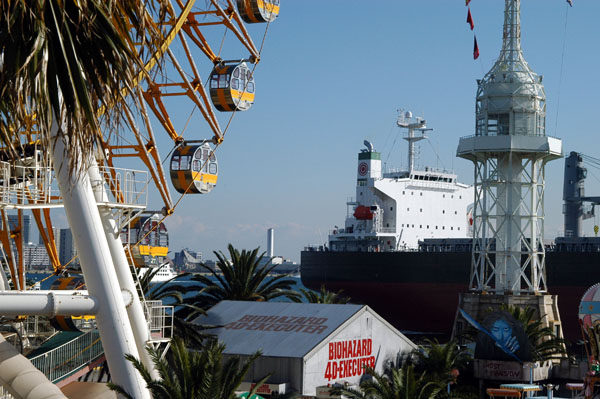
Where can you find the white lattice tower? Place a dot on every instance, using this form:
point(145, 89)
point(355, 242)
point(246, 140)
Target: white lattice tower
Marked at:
point(509, 152)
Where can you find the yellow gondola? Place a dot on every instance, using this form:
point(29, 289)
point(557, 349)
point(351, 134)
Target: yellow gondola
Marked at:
point(153, 240)
point(71, 323)
point(232, 87)
point(255, 11)
point(194, 169)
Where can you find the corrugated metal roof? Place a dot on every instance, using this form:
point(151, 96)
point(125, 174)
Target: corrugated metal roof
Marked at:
point(276, 328)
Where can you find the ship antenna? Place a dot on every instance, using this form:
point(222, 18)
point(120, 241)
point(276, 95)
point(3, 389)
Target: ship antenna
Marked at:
point(406, 120)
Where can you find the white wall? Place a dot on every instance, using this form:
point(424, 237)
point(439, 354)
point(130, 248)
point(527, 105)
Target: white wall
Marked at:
point(384, 343)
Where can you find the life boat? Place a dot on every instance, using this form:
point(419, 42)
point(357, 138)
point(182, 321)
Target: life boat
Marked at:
point(255, 11)
point(71, 323)
point(194, 169)
point(363, 213)
point(153, 240)
point(232, 87)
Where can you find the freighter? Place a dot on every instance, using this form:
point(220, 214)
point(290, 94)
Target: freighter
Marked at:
point(405, 248)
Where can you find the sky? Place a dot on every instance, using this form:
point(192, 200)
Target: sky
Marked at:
point(334, 73)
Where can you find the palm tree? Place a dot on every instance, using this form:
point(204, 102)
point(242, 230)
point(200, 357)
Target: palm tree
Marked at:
point(66, 60)
point(322, 296)
point(194, 374)
point(543, 342)
point(442, 362)
point(240, 279)
point(395, 383)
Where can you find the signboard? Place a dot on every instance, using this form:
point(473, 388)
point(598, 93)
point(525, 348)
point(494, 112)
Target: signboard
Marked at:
point(308, 325)
point(348, 358)
point(498, 370)
point(266, 389)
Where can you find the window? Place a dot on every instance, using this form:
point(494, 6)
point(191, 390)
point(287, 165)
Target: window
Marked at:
point(456, 213)
point(412, 193)
point(391, 208)
point(175, 162)
point(407, 209)
point(497, 124)
point(402, 192)
point(443, 227)
point(451, 228)
point(420, 226)
point(436, 227)
point(444, 212)
point(413, 225)
point(427, 226)
point(421, 194)
point(184, 162)
point(443, 195)
point(421, 210)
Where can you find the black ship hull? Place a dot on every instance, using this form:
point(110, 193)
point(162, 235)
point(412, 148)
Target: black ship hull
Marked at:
point(418, 291)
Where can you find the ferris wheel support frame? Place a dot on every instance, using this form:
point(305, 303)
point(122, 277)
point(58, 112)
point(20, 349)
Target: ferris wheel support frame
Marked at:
point(98, 269)
point(135, 311)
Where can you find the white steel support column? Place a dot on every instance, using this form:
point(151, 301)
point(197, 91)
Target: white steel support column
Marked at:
point(98, 269)
point(135, 311)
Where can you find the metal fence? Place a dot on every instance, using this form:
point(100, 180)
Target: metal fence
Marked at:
point(64, 360)
point(160, 319)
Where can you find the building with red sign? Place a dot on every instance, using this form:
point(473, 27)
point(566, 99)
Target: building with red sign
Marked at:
point(306, 345)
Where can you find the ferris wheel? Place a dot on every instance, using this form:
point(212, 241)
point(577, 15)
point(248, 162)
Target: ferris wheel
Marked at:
point(199, 74)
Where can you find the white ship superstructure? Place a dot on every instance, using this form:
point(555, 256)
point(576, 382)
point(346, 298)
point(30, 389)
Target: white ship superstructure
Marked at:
point(394, 210)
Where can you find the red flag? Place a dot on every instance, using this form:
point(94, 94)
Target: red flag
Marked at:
point(467, 2)
point(475, 48)
point(470, 19)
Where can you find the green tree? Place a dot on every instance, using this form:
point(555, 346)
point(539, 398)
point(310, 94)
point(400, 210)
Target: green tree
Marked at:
point(442, 362)
point(194, 374)
point(240, 279)
point(543, 342)
point(395, 383)
point(321, 296)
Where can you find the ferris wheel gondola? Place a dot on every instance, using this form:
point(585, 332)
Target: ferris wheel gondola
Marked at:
point(148, 241)
point(256, 11)
point(194, 169)
point(232, 87)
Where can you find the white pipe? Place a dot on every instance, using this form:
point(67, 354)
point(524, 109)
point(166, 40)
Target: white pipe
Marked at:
point(135, 311)
point(51, 303)
point(21, 379)
point(99, 273)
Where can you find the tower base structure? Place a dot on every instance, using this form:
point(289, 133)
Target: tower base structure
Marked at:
point(478, 305)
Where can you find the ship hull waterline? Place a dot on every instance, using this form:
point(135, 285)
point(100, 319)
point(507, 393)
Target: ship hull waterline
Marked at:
point(417, 292)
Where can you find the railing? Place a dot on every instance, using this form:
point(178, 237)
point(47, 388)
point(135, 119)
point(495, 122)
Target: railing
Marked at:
point(28, 186)
point(126, 188)
point(160, 320)
point(4, 394)
point(62, 361)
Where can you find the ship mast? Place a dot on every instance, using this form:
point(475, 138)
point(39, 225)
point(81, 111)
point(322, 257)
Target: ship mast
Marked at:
point(509, 152)
point(405, 120)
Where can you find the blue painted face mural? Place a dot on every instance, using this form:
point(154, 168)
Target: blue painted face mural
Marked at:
point(506, 337)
